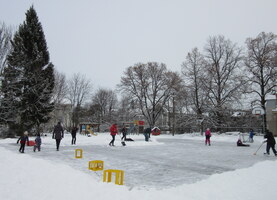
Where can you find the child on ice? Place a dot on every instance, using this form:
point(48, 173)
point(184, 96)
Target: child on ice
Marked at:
point(38, 143)
point(208, 136)
point(23, 139)
point(251, 136)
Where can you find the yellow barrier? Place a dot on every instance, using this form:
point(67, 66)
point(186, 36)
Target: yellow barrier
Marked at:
point(96, 165)
point(119, 176)
point(78, 153)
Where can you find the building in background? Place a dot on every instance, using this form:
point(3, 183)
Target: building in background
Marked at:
point(271, 114)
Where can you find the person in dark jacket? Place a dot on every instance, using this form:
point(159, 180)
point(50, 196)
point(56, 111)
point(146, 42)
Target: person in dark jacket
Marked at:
point(124, 133)
point(270, 142)
point(23, 139)
point(147, 133)
point(113, 131)
point(38, 143)
point(58, 134)
point(73, 134)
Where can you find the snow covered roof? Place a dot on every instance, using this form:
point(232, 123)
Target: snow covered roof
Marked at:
point(155, 128)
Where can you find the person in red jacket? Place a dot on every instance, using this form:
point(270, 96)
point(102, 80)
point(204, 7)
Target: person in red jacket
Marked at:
point(113, 131)
point(208, 136)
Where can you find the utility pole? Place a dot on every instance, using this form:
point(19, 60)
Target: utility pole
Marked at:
point(173, 125)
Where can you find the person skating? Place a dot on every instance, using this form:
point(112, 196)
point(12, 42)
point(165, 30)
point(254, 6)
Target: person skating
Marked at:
point(38, 143)
point(270, 142)
point(124, 133)
point(113, 131)
point(208, 136)
point(23, 139)
point(73, 134)
point(251, 136)
point(58, 134)
point(147, 133)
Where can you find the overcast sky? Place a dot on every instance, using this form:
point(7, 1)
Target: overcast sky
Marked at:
point(101, 38)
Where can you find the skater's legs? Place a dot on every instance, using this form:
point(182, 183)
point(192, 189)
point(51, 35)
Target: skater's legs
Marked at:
point(58, 143)
point(267, 148)
point(112, 141)
point(273, 149)
point(73, 141)
point(207, 141)
point(22, 147)
point(123, 137)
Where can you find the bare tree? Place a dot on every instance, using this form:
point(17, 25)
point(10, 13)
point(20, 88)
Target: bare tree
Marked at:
point(261, 63)
point(79, 90)
point(193, 70)
point(150, 85)
point(60, 88)
point(59, 97)
point(106, 100)
point(127, 109)
point(5, 44)
point(223, 77)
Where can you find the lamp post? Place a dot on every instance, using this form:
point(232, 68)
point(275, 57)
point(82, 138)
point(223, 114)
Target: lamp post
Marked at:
point(173, 112)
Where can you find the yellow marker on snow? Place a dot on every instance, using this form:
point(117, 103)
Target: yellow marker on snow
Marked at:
point(96, 165)
point(119, 176)
point(78, 153)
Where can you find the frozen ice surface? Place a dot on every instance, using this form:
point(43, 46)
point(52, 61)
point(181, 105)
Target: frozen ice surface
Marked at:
point(167, 161)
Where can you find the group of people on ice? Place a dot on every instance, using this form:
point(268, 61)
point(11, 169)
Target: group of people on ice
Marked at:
point(114, 132)
point(58, 134)
point(25, 139)
point(269, 140)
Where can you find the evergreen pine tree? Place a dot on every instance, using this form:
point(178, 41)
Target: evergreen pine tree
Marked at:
point(28, 80)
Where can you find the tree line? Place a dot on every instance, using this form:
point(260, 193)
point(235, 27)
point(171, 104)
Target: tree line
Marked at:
point(205, 93)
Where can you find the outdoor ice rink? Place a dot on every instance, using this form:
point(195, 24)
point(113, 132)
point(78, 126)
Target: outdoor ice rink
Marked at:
point(166, 161)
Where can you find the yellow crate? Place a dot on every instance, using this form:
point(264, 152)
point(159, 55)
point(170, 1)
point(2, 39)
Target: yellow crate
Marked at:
point(96, 165)
point(119, 176)
point(78, 153)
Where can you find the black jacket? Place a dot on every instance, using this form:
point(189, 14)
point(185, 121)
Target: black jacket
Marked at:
point(147, 130)
point(58, 132)
point(124, 130)
point(270, 138)
point(74, 131)
point(23, 139)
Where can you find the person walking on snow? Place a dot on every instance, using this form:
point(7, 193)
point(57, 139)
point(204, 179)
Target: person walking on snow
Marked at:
point(73, 134)
point(23, 139)
point(270, 142)
point(38, 143)
point(208, 136)
point(58, 134)
point(113, 131)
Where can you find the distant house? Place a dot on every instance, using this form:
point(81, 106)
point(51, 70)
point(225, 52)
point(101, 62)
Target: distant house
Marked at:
point(271, 114)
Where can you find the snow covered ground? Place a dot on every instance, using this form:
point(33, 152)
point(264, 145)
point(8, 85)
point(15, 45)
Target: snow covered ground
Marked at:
point(168, 167)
